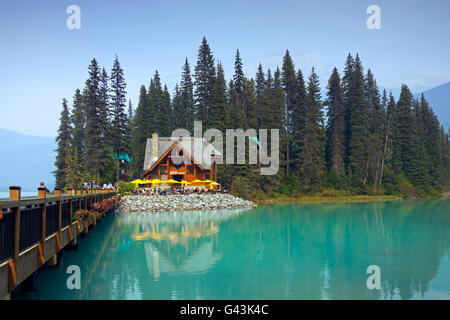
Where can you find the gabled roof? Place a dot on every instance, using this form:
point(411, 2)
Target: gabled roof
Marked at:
point(166, 144)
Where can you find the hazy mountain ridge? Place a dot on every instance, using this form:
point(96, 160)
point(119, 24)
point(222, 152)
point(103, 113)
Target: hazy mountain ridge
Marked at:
point(439, 99)
point(26, 160)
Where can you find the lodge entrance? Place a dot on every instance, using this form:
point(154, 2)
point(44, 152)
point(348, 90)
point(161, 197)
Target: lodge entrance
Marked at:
point(177, 177)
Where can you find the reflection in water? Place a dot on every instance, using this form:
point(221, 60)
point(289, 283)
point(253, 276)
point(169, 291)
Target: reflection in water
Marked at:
point(286, 251)
point(178, 241)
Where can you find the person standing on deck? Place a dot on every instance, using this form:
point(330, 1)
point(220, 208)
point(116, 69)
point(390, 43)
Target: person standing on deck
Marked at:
point(42, 185)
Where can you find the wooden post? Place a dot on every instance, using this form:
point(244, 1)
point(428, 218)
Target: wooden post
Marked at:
point(168, 169)
point(57, 192)
point(69, 192)
point(70, 213)
point(14, 194)
point(59, 203)
point(43, 195)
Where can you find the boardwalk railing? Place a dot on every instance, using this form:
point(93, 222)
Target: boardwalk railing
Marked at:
point(27, 225)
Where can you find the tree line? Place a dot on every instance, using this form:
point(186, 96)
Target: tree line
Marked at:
point(95, 131)
point(356, 139)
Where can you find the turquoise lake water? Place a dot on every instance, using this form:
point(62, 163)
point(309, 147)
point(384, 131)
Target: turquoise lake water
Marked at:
point(281, 251)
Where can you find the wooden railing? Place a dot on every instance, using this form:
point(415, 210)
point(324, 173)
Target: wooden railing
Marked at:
point(30, 222)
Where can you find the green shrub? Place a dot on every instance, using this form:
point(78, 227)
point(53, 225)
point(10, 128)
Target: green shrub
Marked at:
point(125, 188)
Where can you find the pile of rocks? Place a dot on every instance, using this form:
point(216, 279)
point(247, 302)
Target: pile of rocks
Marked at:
point(182, 202)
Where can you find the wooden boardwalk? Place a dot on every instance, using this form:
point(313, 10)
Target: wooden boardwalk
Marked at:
point(34, 229)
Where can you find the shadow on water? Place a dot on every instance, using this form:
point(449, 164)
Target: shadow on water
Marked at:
point(278, 251)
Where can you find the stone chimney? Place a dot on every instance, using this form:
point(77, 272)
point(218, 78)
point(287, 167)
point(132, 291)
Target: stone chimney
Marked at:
point(154, 147)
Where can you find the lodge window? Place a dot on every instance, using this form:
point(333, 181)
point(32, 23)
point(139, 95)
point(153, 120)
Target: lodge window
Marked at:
point(163, 170)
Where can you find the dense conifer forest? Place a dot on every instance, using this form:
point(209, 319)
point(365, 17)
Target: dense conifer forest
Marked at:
point(354, 140)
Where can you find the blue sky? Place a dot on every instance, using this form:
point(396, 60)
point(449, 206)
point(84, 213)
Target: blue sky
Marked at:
point(42, 61)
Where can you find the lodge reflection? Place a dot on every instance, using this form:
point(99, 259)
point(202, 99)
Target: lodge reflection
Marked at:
point(178, 242)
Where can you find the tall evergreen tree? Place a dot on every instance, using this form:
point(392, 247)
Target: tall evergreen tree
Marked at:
point(186, 98)
point(119, 121)
point(92, 157)
point(74, 169)
point(376, 117)
point(260, 80)
point(78, 121)
point(166, 115)
point(235, 116)
point(290, 86)
point(142, 130)
point(312, 152)
point(432, 145)
point(389, 118)
point(179, 117)
point(130, 111)
point(335, 148)
point(104, 112)
point(298, 123)
point(204, 82)
point(404, 157)
point(238, 76)
point(359, 128)
point(217, 113)
point(63, 139)
point(347, 94)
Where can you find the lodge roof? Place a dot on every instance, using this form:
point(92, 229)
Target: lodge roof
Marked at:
point(187, 143)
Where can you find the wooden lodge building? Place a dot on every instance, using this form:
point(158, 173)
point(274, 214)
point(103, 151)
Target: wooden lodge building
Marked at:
point(167, 158)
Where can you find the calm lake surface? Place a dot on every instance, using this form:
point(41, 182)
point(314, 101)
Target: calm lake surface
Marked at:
point(282, 251)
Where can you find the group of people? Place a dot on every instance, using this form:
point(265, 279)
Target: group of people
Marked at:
point(109, 186)
point(172, 191)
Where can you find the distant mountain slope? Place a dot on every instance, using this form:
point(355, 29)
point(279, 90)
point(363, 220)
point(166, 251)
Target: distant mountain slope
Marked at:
point(26, 160)
point(439, 99)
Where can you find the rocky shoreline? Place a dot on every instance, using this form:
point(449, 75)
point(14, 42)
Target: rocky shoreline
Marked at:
point(133, 203)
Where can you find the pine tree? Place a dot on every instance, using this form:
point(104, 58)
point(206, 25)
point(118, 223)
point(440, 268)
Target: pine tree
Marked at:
point(62, 140)
point(312, 153)
point(260, 80)
point(156, 105)
point(404, 156)
point(217, 112)
point(421, 178)
point(179, 119)
point(187, 98)
point(119, 122)
point(92, 157)
point(249, 107)
point(445, 157)
point(346, 89)
point(389, 118)
point(73, 170)
point(78, 121)
point(431, 135)
point(166, 115)
point(335, 148)
point(376, 116)
point(238, 76)
point(290, 86)
point(278, 111)
point(130, 111)
point(235, 116)
point(298, 123)
point(204, 82)
point(103, 108)
point(130, 127)
point(359, 128)
point(142, 130)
